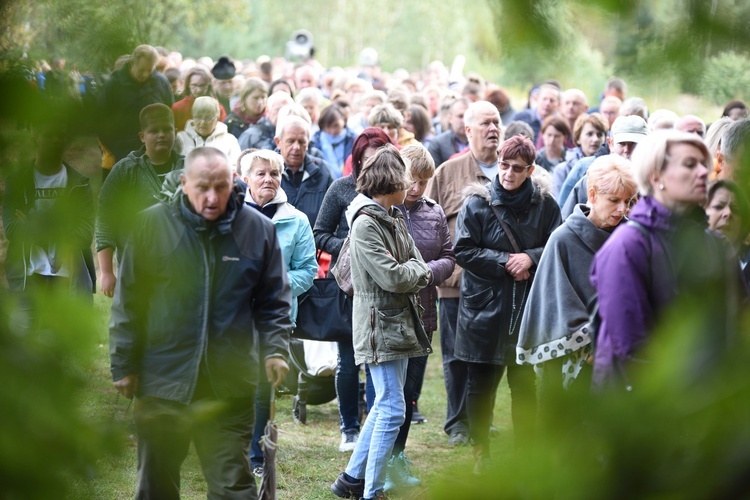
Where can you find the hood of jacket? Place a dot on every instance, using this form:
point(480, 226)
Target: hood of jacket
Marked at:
point(654, 215)
point(360, 201)
point(219, 131)
point(591, 235)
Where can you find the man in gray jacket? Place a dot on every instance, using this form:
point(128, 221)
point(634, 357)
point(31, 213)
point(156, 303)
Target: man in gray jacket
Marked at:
point(201, 279)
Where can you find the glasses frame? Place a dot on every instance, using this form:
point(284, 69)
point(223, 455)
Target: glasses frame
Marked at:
point(518, 169)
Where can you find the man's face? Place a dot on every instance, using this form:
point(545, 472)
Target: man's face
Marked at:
point(692, 126)
point(624, 149)
point(548, 102)
point(142, 68)
point(484, 130)
point(207, 185)
point(573, 104)
point(305, 79)
point(610, 110)
point(457, 119)
point(158, 137)
point(224, 87)
point(293, 146)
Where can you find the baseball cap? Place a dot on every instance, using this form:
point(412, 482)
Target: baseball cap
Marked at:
point(630, 128)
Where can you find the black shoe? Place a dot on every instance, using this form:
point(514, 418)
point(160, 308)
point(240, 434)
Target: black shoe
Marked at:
point(344, 488)
point(416, 417)
point(458, 438)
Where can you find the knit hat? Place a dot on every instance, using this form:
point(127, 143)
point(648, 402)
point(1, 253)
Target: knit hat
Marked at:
point(223, 69)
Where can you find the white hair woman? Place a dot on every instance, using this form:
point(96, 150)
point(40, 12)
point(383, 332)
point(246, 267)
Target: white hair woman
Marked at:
point(555, 332)
point(205, 129)
point(663, 254)
point(261, 171)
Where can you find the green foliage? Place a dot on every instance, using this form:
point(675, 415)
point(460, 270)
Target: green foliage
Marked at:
point(726, 77)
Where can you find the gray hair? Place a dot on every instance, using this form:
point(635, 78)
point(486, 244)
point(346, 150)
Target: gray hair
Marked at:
point(735, 139)
point(310, 94)
point(474, 107)
point(209, 154)
point(290, 120)
point(248, 161)
point(634, 106)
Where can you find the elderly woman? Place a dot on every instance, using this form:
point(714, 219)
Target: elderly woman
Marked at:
point(261, 170)
point(663, 253)
point(391, 120)
point(501, 232)
point(205, 129)
point(555, 332)
point(387, 273)
point(555, 130)
point(331, 229)
point(197, 84)
point(589, 132)
point(334, 138)
point(249, 108)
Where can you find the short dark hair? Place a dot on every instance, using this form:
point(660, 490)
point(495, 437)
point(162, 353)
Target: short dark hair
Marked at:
point(420, 120)
point(149, 114)
point(558, 123)
point(518, 146)
point(329, 115)
point(384, 173)
point(735, 104)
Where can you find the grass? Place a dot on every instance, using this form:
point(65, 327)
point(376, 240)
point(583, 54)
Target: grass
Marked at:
point(308, 459)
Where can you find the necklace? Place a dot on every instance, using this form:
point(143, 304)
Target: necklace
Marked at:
point(514, 320)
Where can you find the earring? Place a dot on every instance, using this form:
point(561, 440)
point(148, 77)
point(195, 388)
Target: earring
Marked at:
point(661, 187)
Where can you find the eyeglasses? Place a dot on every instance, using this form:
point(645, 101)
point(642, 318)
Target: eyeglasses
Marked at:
point(519, 169)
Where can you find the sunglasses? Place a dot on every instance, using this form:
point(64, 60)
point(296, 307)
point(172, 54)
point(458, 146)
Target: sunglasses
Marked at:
point(519, 169)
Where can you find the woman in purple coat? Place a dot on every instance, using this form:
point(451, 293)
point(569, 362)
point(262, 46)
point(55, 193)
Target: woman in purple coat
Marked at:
point(663, 254)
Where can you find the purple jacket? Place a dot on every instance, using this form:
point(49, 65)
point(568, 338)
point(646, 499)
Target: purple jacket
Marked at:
point(637, 277)
point(428, 227)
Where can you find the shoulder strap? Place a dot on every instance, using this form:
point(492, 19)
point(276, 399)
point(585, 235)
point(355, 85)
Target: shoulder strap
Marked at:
point(506, 228)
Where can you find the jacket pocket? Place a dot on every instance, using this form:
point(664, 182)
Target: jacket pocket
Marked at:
point(479, 300)
point(393, 328)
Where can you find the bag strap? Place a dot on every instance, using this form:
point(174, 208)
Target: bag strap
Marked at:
point(508, 231)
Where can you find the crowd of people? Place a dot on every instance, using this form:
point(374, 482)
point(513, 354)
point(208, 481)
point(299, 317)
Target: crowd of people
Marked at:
point(546, 243)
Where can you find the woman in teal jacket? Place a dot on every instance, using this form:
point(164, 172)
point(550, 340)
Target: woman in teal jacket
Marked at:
point(261, 171)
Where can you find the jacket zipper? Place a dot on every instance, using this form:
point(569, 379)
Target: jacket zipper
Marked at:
point(204, 329)
point(372, 335)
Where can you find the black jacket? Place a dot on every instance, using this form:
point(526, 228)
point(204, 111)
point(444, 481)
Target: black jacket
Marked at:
point(487, 328)
point(190, 293)
point(308, 197)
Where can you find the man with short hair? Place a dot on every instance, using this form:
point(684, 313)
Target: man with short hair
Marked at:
point(615, 87)
point(733, 149)
point(306, 178)
point(132, 186)
point(573, 103)
point(548, 102)
point(223, 83)
point(626, 133)
point(261, 135)
point(454, 140)
point(135, 85)
point(306, 76)
point(201, 279)
point(691, 124)
point(610, 109)
point(483, 131)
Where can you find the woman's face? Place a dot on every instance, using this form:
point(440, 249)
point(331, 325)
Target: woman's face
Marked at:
point(683, 181)
point(509, 178)
point(608, 209)
point(408, 125)
point(263, 180)
point(720, 211)
point(553, 139)
point(590, 139)
point(199, 85)
point(391, 130)
point(255, 102)
point(335, 128)
point(205, 125)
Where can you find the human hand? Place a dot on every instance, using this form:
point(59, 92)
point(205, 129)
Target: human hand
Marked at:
point(276, 370)
point(108, 281)
point(127, 385)
point(518, 265)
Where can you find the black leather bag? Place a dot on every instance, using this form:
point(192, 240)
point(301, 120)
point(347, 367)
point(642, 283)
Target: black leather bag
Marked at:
point(324, 313)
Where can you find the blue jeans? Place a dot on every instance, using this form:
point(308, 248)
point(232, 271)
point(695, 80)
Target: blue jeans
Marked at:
point(347, 387)
point(370, 457)
point(262, 414)
point(454, 371)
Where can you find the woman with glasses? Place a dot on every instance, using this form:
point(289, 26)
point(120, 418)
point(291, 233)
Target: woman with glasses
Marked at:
point(501, 232)
point(197, 84)
point(555, 332)
point(205, 129)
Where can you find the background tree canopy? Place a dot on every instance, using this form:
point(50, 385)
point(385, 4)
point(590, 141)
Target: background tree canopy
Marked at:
point(694, 46)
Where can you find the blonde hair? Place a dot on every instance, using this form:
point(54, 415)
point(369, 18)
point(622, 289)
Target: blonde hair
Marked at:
point(596, 120)
point(248, 159)
point(206, 107)
point(385, 113)
point(652, 153)
point(421, 164)
point(251, 85)
point(612, 174)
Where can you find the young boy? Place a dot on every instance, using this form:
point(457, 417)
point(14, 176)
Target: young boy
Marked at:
point(132, 186)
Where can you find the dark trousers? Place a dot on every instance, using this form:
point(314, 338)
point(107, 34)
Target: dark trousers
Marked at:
point(262, 414)
point(454, 371)
point(347, 387)
point(483, 379)
point(220, 431)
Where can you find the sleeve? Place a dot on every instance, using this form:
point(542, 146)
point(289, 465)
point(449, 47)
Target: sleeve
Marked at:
point(327, 222)
point(573, 177)
point(106, 232)
point(303, 267)
point(129, 310)
point(470, 226)
point(272, 302)
point(369, 252)
point(83, 217)
point(551, 220)
point(13, 225)
point(442, 267)
point(434, 149)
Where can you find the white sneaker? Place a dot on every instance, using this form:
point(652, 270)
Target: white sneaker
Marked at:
point(348, 441)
